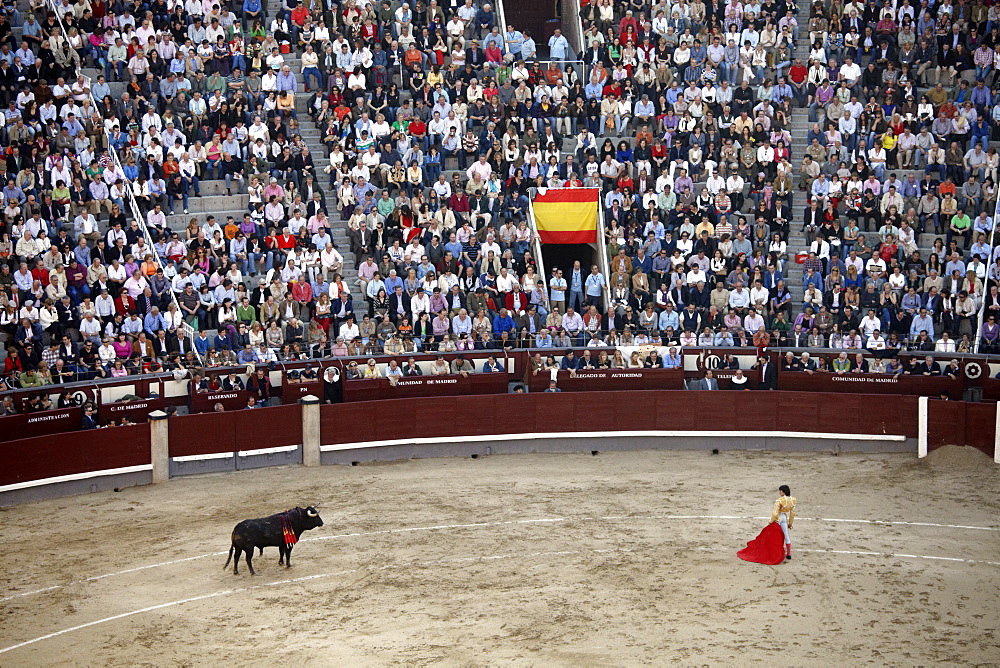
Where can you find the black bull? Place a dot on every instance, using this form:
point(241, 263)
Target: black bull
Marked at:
point(269, 532)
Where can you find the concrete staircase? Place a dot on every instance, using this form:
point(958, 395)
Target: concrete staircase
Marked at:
point(312, 136)
point(799, 129)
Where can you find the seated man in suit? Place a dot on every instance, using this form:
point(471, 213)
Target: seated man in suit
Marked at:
point(807, 364)
point(928, 367)
point(859, 364)
point(411, 368)
point(198, 384)
point(492, 366)
point(232, 383)
point(790, 363)
point(570, 361)
point(709, 382)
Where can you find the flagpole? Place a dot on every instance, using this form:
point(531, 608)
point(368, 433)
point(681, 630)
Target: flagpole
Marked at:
point(602, 249)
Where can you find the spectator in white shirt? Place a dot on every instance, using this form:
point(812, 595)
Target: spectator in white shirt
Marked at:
point(482, 168)
point(739, 298)
point(876, 341)
point(156, 218)
point(505, 281)
point(945, 344)
point(870, 324)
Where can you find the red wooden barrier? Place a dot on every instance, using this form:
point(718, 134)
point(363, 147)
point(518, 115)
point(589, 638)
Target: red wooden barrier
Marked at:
point(202, 402)
point(94, 450)
point(612, 379)
point(871, 383)
point(425, 386)
point(267, 427)
point(961, 423)
point(204, 433)
point(945, 423)
point(980, 427)
point(292, 392)
point(991, 389)
point(33, 425)
point(442, 417)
point(517, 363)
point(949, 422)
point(233, 431)
point(136, 411)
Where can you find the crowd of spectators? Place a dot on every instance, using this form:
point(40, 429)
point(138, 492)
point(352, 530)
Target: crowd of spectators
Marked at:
point(903, 148)
point(437, 121)
point(682, 119)
point(859, 363)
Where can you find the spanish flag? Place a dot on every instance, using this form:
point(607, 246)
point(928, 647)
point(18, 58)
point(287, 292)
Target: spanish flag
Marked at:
point(566, 215)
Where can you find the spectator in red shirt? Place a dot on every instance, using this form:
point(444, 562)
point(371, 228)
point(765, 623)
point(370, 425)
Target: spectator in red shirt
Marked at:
point(797, 75)
point(888, 250)
point(299, 15)
point(40, 274)
point(286, 241)
point(459, 204)
point(418, 130)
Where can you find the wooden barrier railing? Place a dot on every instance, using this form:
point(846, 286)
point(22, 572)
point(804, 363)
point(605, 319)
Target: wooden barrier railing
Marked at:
point(162, 391)
point(79, 454)
point(52, 459)
point(617, 411)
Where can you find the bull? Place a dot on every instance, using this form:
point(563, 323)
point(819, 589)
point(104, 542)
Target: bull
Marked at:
point(281, 531)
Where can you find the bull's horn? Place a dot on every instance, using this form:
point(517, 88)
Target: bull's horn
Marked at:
point(312, 512)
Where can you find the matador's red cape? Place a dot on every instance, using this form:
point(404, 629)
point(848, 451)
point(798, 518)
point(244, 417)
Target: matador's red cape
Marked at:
point(767, 548)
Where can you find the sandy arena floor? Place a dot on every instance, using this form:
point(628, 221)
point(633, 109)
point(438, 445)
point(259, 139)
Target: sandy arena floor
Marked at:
point(536, 559)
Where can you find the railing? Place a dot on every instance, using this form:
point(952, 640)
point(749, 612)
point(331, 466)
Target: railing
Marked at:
point(502, 18)
point(161, 389)
point(573, 25)
point(991, 265)
point(129, 198)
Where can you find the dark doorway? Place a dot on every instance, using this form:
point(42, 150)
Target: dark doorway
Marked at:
point(533, 16)
point(563, 256)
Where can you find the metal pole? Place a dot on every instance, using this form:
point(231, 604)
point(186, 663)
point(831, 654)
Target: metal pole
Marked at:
point(978, 338)
point(536, 246)
point(503, 24)
point(602, 248)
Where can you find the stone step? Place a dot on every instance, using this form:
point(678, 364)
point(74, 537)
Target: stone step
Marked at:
point(221, 215)
point(211, 204)
point(216, 188)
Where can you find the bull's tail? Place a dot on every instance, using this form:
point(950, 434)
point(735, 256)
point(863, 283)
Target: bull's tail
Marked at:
point(230, 557)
